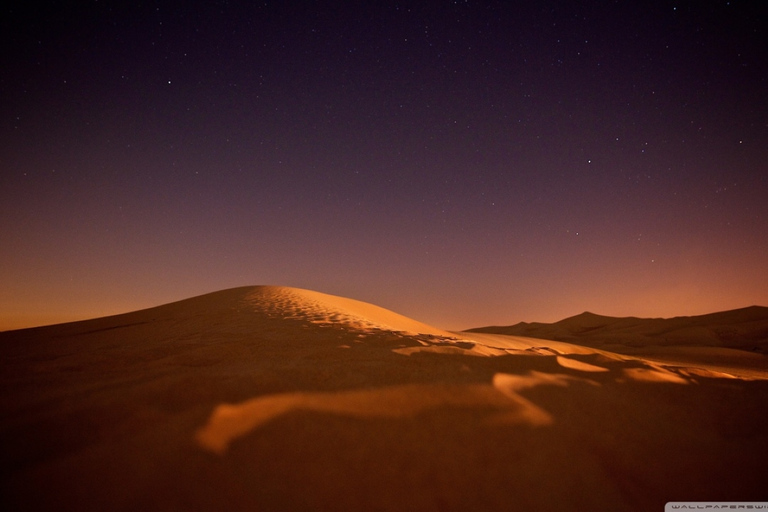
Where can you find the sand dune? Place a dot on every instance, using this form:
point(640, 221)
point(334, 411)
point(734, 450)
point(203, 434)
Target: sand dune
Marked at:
point(272, 398)
point(323, 309)
point(731, 341)
point(745, 329)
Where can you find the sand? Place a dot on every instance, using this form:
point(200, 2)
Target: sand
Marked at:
point(272, 398)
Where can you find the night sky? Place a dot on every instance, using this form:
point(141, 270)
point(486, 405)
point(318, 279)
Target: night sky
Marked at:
point(463, 163)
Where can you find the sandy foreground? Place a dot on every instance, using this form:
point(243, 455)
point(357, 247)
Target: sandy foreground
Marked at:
point(271, 398)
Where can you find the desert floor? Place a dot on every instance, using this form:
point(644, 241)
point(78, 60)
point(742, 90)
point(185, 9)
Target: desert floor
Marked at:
point(268, 398)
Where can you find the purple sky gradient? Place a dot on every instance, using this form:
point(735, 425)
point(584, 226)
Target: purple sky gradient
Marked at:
point(462, 163)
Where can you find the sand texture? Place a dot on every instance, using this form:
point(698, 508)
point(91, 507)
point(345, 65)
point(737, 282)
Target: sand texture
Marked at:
point(273, 398)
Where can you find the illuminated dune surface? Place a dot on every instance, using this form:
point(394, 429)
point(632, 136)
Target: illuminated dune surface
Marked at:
point(274, 398)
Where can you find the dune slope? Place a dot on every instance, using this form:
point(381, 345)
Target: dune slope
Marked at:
point(745, 329)
point(271, 398)
point(731, 341)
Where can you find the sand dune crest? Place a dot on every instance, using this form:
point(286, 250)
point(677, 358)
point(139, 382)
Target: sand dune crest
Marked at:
point(324, 309)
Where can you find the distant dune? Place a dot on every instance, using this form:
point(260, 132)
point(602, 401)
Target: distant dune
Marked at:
point(274, 398)
point(737, 339)
point(744, 329)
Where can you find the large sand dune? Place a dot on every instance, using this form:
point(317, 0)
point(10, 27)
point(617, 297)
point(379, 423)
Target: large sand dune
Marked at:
point(270, 398)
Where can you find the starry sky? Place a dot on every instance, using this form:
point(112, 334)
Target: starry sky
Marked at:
point(464, 163)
